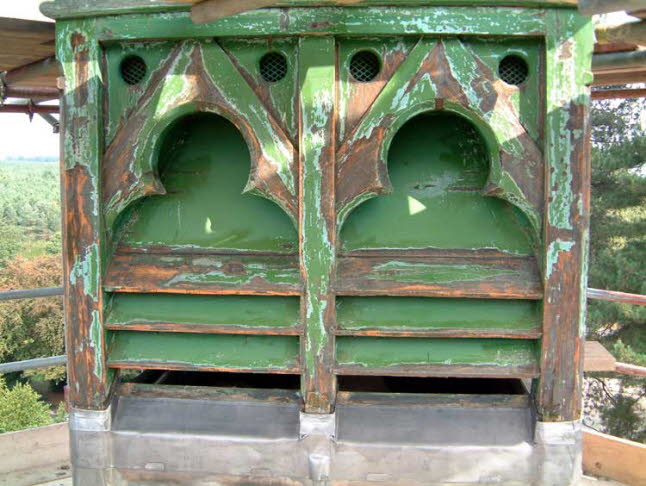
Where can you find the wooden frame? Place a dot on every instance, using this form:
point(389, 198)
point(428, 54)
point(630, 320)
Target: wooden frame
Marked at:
point(317, 182)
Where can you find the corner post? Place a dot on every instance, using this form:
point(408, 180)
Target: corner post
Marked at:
point(81, 151)
point(317, 219)
point(569, 46)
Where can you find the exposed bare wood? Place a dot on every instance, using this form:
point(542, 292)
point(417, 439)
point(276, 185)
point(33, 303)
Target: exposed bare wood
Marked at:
point(210, 10)
point(634, 32)
point(614, 296)
point(591, 7)
point(41, 93)
point(448, 371)
point(627, 77)
point(597, 358)
point(608, 94)
point(446, 333)
point(614, 458)
point(628, 369)
point(29, 109)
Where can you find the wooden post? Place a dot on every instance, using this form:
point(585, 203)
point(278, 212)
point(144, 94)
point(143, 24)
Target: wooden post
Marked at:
point(566, 223)
point(81, 147)
point(317, 219)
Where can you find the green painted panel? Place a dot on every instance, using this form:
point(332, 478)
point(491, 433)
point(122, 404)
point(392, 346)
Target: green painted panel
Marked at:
point(384, 352)
point(437, 167)
point(423, 313)
point(229, 310)
point(528, 97)
point(204, 166)
point(123, 97)
point(279, 96)
point(204, 350)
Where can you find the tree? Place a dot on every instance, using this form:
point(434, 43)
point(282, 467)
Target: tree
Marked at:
point(34, 327)
point(617, 254)
point(21, 408)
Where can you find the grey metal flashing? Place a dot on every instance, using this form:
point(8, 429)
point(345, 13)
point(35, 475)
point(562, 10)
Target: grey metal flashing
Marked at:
point(155, 439)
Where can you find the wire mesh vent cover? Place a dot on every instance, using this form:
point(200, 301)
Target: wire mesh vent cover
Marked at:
point(133, 70)
point(513, 70)
point(273, 67)
point(365, 66)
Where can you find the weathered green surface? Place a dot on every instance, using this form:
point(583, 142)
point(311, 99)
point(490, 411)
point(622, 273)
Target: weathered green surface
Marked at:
point(78, 8)
point(317, 97)
point(194, 351)
point(427, 313)
point(204, 167)
point(437, 165)
point(500, 21)
point(385, 352)
point(209, 311)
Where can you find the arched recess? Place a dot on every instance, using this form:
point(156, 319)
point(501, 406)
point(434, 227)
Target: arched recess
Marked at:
point(439, 167)
point(203, 166)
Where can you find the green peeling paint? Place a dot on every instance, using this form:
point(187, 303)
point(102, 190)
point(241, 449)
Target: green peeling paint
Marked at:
point(199, 350)
point(204, 167)
point(437, 167)
point(235, 310)
point(384, 353)
point(356, 313)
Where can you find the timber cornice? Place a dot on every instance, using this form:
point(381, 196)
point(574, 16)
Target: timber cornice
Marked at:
point(68, 9)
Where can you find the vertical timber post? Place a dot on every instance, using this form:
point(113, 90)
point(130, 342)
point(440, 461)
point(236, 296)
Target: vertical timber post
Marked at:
point(568, 58)
point(317, 229)
point(81, 149)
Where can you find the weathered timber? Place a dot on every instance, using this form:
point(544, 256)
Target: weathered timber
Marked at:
point(567, 152)
point(82, 148)
point(231, 353)
point(609, 94)
point(60, 9)
point(317, 221)
point(203, 274)
point(633, 32)
point(597, 358)
point(477, 20)
point(444, 333)
point(591, 7)
point(208, 393)
point(197, 78)
point(614, 296)
point(32, 92)
point(414, 400)
point(30, 293)
point(441, 76)
point(436, 357)
point(28, 109)
point(628, 369)
point(515, 278)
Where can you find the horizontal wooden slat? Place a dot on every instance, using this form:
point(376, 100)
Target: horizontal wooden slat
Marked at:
point(438, 317)
point(203, 274)
point(228, 314)
point(167, 351)
point(436, 357)
point(479, 277)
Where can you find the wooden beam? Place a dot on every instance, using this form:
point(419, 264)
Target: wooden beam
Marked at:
point(628, 369)
point(614, 458)
point(210, 10)
point(597, 358)
point(614, 296)
point(611, 94)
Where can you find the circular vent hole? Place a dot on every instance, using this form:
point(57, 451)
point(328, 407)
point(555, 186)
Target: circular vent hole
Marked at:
point(513, 70)
point(365, 66)
point(273, 67)
point(133, 70)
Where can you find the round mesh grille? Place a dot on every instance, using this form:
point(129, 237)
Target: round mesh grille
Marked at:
point(273, 67)
point(364, 66)
point(513, 70)
point(133, 70)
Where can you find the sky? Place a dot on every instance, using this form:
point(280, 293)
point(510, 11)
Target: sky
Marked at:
point(19, 137)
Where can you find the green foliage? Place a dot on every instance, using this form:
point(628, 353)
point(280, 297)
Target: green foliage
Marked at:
point(29, 209)
point(617, 254)
point(21, 408)
point(35, 327)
